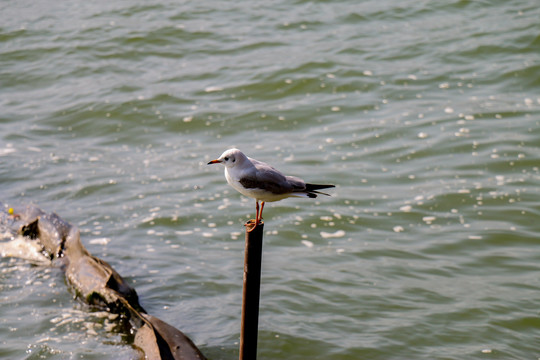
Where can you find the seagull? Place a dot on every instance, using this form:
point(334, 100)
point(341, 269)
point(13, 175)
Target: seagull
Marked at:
point(258, 180)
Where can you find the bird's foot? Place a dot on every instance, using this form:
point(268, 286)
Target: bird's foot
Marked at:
point(252, 224)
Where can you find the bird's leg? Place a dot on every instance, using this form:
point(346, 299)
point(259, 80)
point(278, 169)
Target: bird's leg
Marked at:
point(260, 212)
point(256, 216)
point(256, 212)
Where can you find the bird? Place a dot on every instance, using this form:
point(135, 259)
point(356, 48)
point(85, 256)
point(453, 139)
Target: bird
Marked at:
point(264, 183)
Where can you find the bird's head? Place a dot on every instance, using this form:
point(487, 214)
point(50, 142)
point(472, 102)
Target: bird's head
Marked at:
point(230, 158)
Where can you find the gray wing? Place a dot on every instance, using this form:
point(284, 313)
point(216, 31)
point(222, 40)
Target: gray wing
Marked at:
point(270, 179)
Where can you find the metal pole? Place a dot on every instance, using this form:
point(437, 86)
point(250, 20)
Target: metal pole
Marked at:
point(252, 285)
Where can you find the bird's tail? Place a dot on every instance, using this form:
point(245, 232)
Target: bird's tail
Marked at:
point(312, 192)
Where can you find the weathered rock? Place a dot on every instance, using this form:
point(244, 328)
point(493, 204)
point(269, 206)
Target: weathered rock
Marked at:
point(163, 341)
point(96, 283)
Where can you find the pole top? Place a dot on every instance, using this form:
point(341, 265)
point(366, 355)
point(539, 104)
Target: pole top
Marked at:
point(250, 225)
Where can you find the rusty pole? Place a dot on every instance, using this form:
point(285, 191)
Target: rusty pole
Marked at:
point(251, 294)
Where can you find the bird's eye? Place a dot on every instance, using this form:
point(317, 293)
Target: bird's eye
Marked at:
point(226, 159)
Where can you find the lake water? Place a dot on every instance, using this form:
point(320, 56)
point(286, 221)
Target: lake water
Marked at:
point(426, 116)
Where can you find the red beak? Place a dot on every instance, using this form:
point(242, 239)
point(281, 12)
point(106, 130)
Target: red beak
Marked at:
point(214, 162)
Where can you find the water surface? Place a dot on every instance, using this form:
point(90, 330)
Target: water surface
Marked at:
point(425, 115)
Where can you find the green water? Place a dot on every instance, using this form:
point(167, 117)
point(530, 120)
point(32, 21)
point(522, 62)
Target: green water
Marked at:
point(426, 116)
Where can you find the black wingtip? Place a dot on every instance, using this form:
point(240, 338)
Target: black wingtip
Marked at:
point(313, 187)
